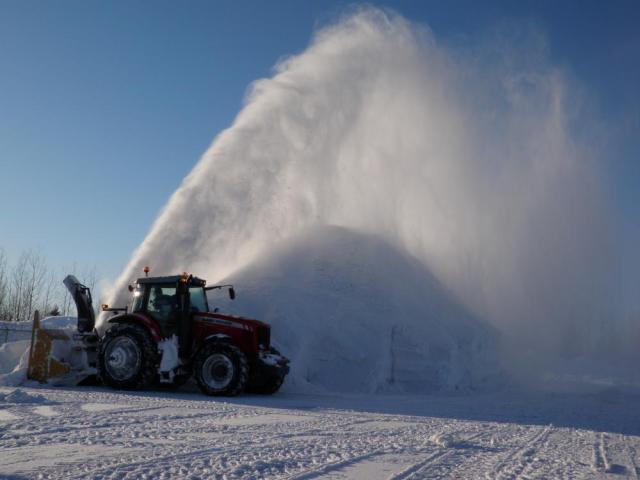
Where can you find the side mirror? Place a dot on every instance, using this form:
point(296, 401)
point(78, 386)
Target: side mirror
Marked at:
point(232, 293)
point(130, 287)
point(104, 307)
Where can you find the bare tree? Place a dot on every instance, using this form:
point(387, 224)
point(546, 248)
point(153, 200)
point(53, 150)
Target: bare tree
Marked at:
point(4, 288)
point(90, 278)
point(36, 271)
point(17, 288)
point(49, 293)
point(67, 302)
point(30, 284)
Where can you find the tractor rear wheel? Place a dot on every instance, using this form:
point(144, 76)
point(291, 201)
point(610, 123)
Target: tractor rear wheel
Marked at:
point(128, 358)
point(221, 369)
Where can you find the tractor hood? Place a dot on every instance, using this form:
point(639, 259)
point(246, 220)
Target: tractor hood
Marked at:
point(230, 320)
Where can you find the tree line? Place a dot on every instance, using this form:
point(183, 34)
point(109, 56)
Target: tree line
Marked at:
point(31, 284)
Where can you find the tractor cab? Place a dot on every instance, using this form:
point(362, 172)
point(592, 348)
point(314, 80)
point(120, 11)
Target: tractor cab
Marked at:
point(169, 300)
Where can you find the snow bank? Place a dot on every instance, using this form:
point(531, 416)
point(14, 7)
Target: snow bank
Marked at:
point(66, 323)
point(14, 358)
point(14, 355)
point(355, 314)
point(20, 396)
point(13, 331)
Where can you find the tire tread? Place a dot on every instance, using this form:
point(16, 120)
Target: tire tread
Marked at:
point(147, 376)
point(238, 358)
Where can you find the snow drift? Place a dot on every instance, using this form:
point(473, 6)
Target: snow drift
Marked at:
point(14, 354)
point(465, 159)
point(14, 360)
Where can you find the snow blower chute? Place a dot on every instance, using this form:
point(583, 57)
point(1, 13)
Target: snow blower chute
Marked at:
point(64, 355)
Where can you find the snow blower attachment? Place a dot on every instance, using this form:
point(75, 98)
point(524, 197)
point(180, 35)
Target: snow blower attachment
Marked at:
point(42, 365)
point(62, 355)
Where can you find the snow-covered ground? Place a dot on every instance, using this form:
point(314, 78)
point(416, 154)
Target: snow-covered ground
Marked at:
point(99, 433)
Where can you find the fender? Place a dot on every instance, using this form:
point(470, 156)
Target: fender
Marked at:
point(220, 337)
point(215, 338)
point(138, 319)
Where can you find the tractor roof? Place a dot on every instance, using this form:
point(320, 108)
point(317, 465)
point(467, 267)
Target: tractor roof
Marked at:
point(198, 282)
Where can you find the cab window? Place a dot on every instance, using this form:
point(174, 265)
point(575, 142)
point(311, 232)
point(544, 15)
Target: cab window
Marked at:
point(198, 300)
point(138, 298)
point(162, 302)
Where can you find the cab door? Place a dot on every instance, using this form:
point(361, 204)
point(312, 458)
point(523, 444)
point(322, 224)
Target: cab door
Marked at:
point(163, 307)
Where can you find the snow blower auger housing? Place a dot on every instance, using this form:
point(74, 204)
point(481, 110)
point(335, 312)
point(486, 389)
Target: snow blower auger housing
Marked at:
point(167, 334)
point(62, 355)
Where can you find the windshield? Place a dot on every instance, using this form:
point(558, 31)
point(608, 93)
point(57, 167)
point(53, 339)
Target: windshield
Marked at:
point(198, 300)
point(136, 301)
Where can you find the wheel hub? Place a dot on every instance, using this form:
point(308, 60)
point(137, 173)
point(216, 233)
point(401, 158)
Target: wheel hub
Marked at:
point(218, 371)
point(122, 358)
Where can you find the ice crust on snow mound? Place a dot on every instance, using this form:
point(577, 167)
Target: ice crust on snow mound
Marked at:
point(354, 314)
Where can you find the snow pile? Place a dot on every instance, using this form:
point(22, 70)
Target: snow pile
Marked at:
point(20, 396)
point(355, 314)
point(14, 355)
point(442, 440)
point(14, 359)
point(65, 323)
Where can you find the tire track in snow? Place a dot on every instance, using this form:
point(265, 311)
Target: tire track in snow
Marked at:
point(52, 430)
point(174, 438)
point(505, 468)
point(317, 425)
point(416, 468)
point(631, 453)
point(169, 459)
point(600, 460)
point(328, 467)
point(244, 438)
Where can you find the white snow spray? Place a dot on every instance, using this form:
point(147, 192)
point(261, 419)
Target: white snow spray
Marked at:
point(463, 158)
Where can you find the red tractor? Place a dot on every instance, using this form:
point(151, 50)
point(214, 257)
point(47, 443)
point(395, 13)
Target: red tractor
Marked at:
point(167, 334)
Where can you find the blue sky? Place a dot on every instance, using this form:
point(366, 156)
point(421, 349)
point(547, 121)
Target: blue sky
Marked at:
point(106, 106)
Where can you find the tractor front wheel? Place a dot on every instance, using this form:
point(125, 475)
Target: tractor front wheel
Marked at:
point(221, 369)
point(128, 358)
point(267, 386)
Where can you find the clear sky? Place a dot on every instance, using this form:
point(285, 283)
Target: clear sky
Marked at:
point(106, 106)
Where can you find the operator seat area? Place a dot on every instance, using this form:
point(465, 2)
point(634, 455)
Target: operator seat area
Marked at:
point(163, 308)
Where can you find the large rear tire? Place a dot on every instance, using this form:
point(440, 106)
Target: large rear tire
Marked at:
point(221, 369)
point(128, 358)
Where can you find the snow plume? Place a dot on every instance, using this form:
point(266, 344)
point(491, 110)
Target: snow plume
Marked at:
point(465, 159)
